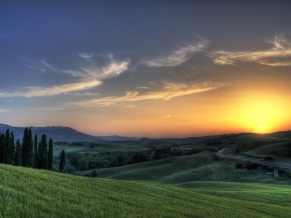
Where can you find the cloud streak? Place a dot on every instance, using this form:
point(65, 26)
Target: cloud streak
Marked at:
point(3, 110)
point(177, 57)
point(89, 77)
point(93, 71)
point(272, 57)
point(51, 91)
point(169, 91)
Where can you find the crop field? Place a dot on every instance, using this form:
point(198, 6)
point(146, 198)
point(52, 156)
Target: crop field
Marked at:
point(36, 193)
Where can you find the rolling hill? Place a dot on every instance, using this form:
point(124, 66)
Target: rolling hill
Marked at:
point(36, 193)
point(276, 145)
point(57, 133)
point(177, 170)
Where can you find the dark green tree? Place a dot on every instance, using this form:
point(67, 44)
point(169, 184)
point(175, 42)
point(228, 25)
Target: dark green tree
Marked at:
point(11, 148)
point(17, 156)
point(30, 147)
point(42, 153)
point(94, 173)
point(7, 143)
point(27, 148)
point(76, 161)
point(50, 154)
point(35, 152)
point(2, 148)
point(62, 161)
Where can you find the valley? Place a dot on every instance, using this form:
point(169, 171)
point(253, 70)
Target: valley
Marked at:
point(189, 177)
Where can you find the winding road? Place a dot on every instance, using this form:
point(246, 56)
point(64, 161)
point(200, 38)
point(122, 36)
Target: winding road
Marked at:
point(272, 164)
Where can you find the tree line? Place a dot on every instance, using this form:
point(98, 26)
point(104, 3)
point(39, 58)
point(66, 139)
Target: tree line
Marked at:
point(29, 153)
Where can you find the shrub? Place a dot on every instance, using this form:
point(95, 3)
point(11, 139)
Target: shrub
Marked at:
point(72, 170)
point(238, 165)
point(251, 165)
point(269, 158)
point(94, 173)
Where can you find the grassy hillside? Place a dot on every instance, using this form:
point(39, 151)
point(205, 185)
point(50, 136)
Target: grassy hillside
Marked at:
point(101, 146)
point(279, 150)
point(34, 193)
point(169, 170)
point(182, 169)
point(262, 146)
point(265, 193)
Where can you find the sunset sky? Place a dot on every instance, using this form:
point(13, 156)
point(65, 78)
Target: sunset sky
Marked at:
point(146, 68)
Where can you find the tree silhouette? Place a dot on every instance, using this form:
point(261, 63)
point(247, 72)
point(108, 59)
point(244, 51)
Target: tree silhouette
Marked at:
point(62, 161)
point(27, 151)
point(42, 153)
point(50, 155)
point(17, 156)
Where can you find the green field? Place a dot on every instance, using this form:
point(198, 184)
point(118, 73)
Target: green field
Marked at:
point(264, 193)
point(36, 193)
point(202, 166)
point(261, 145)
point(197, 185)
point(169, 170)
point(111, 146)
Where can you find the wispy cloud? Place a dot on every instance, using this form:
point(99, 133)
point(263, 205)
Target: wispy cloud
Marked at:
point(47, 108)
point(84, 69)
point(40, 65)
point(177, 57)
point(170, 90)
point(84, 94)
point(272, 57)
point(112, 70)
point(50, 91)
point(93, 71)
point(3, 110)
point(87, 76)
point(85, 55)
point(144, 87)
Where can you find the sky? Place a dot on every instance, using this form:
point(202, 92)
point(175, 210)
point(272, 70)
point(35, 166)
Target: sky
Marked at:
point(146, 68)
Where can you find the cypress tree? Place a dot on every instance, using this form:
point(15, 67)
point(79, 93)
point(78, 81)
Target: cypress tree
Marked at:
point(11, 148)
point(50, 155)
point(30, 148)
point(35, 153)
point(7, 143)
point(27, 150)
point(17, 156)
point(62, 161)
point(24, 152)
point(42, 153)
point(2, 148)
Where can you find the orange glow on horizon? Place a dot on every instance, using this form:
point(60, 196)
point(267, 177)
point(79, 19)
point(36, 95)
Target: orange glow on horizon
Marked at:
point(209, 113)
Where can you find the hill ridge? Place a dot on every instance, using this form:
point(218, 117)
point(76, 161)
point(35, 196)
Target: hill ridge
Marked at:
point(57, 133)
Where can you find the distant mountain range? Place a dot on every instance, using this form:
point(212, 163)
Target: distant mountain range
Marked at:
point(57, 133)
point(60, 133)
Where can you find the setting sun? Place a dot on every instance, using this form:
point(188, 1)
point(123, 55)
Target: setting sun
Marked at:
point(261, 127)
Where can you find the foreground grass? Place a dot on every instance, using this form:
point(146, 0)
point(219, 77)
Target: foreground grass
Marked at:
point(264, 193)
point(34, 193)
